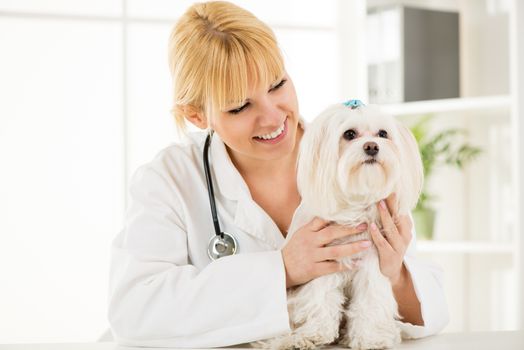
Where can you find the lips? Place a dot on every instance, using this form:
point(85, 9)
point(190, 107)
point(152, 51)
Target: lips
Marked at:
point(277, 139)
point(272, 135)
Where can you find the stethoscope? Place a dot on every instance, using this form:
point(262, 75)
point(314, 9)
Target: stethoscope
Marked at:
point(223, 243)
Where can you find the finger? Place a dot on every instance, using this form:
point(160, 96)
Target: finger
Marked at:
point(327, 267)
point(318, 224)
point(329, 234)
point(341, 251)
point(389, 228)
point(405, 228)
point(392, 204)
point(380, 242)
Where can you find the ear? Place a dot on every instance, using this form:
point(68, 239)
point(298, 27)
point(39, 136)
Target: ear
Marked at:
point(316, 172)
point(412, 171)
point(195, 116)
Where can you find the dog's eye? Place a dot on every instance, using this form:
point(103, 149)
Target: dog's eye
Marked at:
point(350, 134)
point(383, 133)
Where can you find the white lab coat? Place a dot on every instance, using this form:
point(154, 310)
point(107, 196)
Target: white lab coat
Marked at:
point(166, 292)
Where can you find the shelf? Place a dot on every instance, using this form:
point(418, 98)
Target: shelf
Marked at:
point(464, 247)
point(501, 102)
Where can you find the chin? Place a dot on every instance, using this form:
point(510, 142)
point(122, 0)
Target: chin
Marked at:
point(349, 159)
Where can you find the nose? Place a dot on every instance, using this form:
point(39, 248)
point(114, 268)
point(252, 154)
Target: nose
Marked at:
point(371, 148)
point(269, 113)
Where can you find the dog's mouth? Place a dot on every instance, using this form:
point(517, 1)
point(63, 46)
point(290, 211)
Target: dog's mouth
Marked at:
point(370, 161)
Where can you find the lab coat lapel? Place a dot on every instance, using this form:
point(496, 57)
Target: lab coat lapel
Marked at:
point(249, 217)
point(230, 182)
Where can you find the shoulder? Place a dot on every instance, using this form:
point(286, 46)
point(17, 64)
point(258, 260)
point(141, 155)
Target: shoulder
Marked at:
point(175, 163)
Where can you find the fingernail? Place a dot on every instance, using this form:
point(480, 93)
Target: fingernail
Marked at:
point(373, 226)
point(362, 226)
point(365, 244)
point(383, 204)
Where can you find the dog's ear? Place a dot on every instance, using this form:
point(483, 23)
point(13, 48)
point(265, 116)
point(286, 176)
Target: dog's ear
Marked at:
point(317, 166)
point(412, 177)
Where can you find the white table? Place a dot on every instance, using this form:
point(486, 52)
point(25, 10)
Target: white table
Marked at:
point(511, 340)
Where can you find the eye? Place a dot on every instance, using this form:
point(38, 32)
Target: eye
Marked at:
point(383, 134)
point(350, 134)
point(278, 86)
point(239, 109)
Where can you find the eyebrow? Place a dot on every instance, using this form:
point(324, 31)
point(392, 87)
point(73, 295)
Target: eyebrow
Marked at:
point(239, 105)
point(276, 82)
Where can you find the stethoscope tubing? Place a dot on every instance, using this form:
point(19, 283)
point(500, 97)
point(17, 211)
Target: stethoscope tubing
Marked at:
point(210, 189)
point(222, 243)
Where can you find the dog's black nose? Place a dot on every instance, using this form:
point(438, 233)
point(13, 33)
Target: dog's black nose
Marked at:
point(371, 148)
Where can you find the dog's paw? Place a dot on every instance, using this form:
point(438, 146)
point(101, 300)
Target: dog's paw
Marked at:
point(368, 344)
point(284, 343)
point(387, 337)
point(296, 342)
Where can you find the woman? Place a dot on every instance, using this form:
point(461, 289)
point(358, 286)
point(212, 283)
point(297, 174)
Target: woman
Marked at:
point(165, 290)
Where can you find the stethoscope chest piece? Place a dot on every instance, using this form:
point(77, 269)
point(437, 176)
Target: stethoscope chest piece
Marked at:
point(219, 247)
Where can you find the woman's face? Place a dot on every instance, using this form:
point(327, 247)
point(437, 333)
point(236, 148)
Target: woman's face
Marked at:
point(264, 126)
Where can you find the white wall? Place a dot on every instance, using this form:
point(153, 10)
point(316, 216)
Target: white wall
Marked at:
point(84, 100)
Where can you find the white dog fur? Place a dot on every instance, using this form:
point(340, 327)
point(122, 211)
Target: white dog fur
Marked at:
point(337, 184)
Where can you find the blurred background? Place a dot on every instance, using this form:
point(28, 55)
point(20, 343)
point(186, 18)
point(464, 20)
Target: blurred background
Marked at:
point(85, 99)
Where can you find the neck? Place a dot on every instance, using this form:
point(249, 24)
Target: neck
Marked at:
point(341, 207)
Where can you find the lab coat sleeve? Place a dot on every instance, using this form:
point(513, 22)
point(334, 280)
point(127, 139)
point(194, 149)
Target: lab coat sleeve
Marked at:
point(158, 299)
point(427, 281)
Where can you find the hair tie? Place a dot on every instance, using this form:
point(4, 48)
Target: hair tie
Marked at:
point(353, 104)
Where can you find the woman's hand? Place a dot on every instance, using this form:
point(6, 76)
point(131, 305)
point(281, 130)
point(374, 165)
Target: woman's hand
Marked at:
point(306, 256)
point(394, 242)
point(391, 251)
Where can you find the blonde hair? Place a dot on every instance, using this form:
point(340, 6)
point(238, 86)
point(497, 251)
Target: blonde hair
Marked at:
point(215, 50)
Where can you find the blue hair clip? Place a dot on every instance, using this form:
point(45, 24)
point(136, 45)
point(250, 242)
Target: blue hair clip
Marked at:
point(353, 104)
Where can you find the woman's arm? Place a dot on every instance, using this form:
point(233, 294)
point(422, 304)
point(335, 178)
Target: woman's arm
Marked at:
point(417, 285)
point(407, 300)
point(159, 299)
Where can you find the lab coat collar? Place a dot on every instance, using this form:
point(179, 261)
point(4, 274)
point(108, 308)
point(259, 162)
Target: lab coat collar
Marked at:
point(230, 183)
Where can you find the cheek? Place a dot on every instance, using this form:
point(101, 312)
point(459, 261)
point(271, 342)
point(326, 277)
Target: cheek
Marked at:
point(290, 97)
point(391, 160)
point(293, 94)
point(233, 130)
point(391, 152)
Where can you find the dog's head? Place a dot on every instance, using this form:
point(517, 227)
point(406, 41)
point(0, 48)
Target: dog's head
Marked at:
point(357, 157)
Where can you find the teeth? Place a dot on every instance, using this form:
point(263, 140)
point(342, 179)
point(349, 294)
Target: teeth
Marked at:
point(274, 134)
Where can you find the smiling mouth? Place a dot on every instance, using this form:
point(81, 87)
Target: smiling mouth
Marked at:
point(370, 161)
point(275, 137)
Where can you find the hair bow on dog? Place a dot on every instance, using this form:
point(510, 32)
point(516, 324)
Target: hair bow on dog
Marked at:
point(353, 104)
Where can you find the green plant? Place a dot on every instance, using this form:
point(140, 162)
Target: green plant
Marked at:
point(441, 148)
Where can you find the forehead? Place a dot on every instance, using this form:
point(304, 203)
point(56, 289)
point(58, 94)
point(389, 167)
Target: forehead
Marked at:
point(366, 118)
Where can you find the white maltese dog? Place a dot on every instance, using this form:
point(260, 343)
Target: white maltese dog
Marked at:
point(351, 157)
